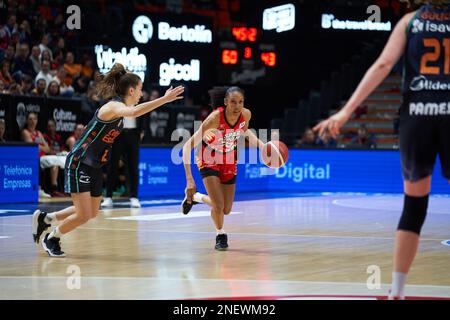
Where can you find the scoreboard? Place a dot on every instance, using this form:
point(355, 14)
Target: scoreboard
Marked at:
point(244, 58)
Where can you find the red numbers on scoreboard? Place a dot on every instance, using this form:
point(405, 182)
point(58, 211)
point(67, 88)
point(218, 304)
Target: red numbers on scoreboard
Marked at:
point(247, 52)
point(229, 56)
point(269, 58)
point(244, 34)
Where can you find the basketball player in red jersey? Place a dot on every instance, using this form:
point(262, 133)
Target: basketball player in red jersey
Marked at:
point(219, 135)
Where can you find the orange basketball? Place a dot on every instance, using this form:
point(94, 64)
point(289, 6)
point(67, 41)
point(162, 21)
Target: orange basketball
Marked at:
point(275, 154)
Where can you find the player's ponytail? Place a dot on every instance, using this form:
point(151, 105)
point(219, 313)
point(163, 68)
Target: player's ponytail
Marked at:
point(218, 94)
point(116, 82)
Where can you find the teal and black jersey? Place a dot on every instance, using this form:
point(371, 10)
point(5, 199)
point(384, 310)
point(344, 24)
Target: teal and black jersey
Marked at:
point(95, 143)
point(427, 54)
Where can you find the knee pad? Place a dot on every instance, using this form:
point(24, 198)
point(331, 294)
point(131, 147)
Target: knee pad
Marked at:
point(414, 213)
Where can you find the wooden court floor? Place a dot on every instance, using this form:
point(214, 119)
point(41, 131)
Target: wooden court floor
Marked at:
point(282, 247)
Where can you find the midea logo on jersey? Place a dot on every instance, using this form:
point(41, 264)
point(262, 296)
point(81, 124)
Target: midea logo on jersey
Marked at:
point(143, 32)
point(420, 83)
point(142, 29)
point(176, 71)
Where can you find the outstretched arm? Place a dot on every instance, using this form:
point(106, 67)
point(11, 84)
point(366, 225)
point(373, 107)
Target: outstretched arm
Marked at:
point(374, 76)
point(114, 110)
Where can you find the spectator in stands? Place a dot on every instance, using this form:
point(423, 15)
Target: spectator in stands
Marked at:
point(56, 145)
point(53, 138)
point(59, 25)
point(53, 89)
point(15, 40)
point(32, 135)
point(72, 69)
point(45, 73)
point(70, 142)
point(22, 63)
point(80, 84)
point(7, 30)
point(27, 85)
point(60, 47)
point(45, 40)
point(15, 89)
point(308, 139)
point(363, 139)
point(87, 68)
point(9, 54)
point(4, 38)
point(326, 141)
point(58, 60)
point(45, 56)
point(2, 87)
point(35, 60)
point(11, 24)
point(2, 130)
point(89, 103)
point(5, 76)
point(39, 90)
point(25, 32)
point(66, 91)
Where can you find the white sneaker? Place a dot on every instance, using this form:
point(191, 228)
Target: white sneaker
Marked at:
point(42, 194)
point(134, 202)
point(107, 203)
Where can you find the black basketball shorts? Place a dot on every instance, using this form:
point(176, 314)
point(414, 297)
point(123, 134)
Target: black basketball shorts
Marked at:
point(424, 134)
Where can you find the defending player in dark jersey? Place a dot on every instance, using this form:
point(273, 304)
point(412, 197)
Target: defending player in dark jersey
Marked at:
point(423, 37)
point(83, 173)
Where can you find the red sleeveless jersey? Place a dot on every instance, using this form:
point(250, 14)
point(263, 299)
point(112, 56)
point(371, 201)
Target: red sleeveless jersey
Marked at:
point(219, 145)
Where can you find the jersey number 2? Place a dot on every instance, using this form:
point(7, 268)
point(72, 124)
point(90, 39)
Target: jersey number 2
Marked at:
point(434, 56)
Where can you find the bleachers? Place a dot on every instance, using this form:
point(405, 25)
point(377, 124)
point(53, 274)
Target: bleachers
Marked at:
point(382, 110)
point(378, 112)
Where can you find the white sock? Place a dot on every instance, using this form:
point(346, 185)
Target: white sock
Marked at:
point(55, 233)
point(198, 197)
point(221, 231)
point(398, 284)
point(50, 218)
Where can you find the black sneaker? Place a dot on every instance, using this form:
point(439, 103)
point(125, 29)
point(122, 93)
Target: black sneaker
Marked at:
point(221, 242)
point(39, 225)
point(185, 206)
point(52, 246)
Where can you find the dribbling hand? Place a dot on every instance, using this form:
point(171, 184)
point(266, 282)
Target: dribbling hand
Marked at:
point(191, 189)
point(173, 94)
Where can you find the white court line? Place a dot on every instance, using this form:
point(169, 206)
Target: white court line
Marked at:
point(2, 211)
point(342, 203)
point(167, 216)
point(265, 281)
point(165, 201)
point(265, 235)
point(5, 237)
point(256, 234)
